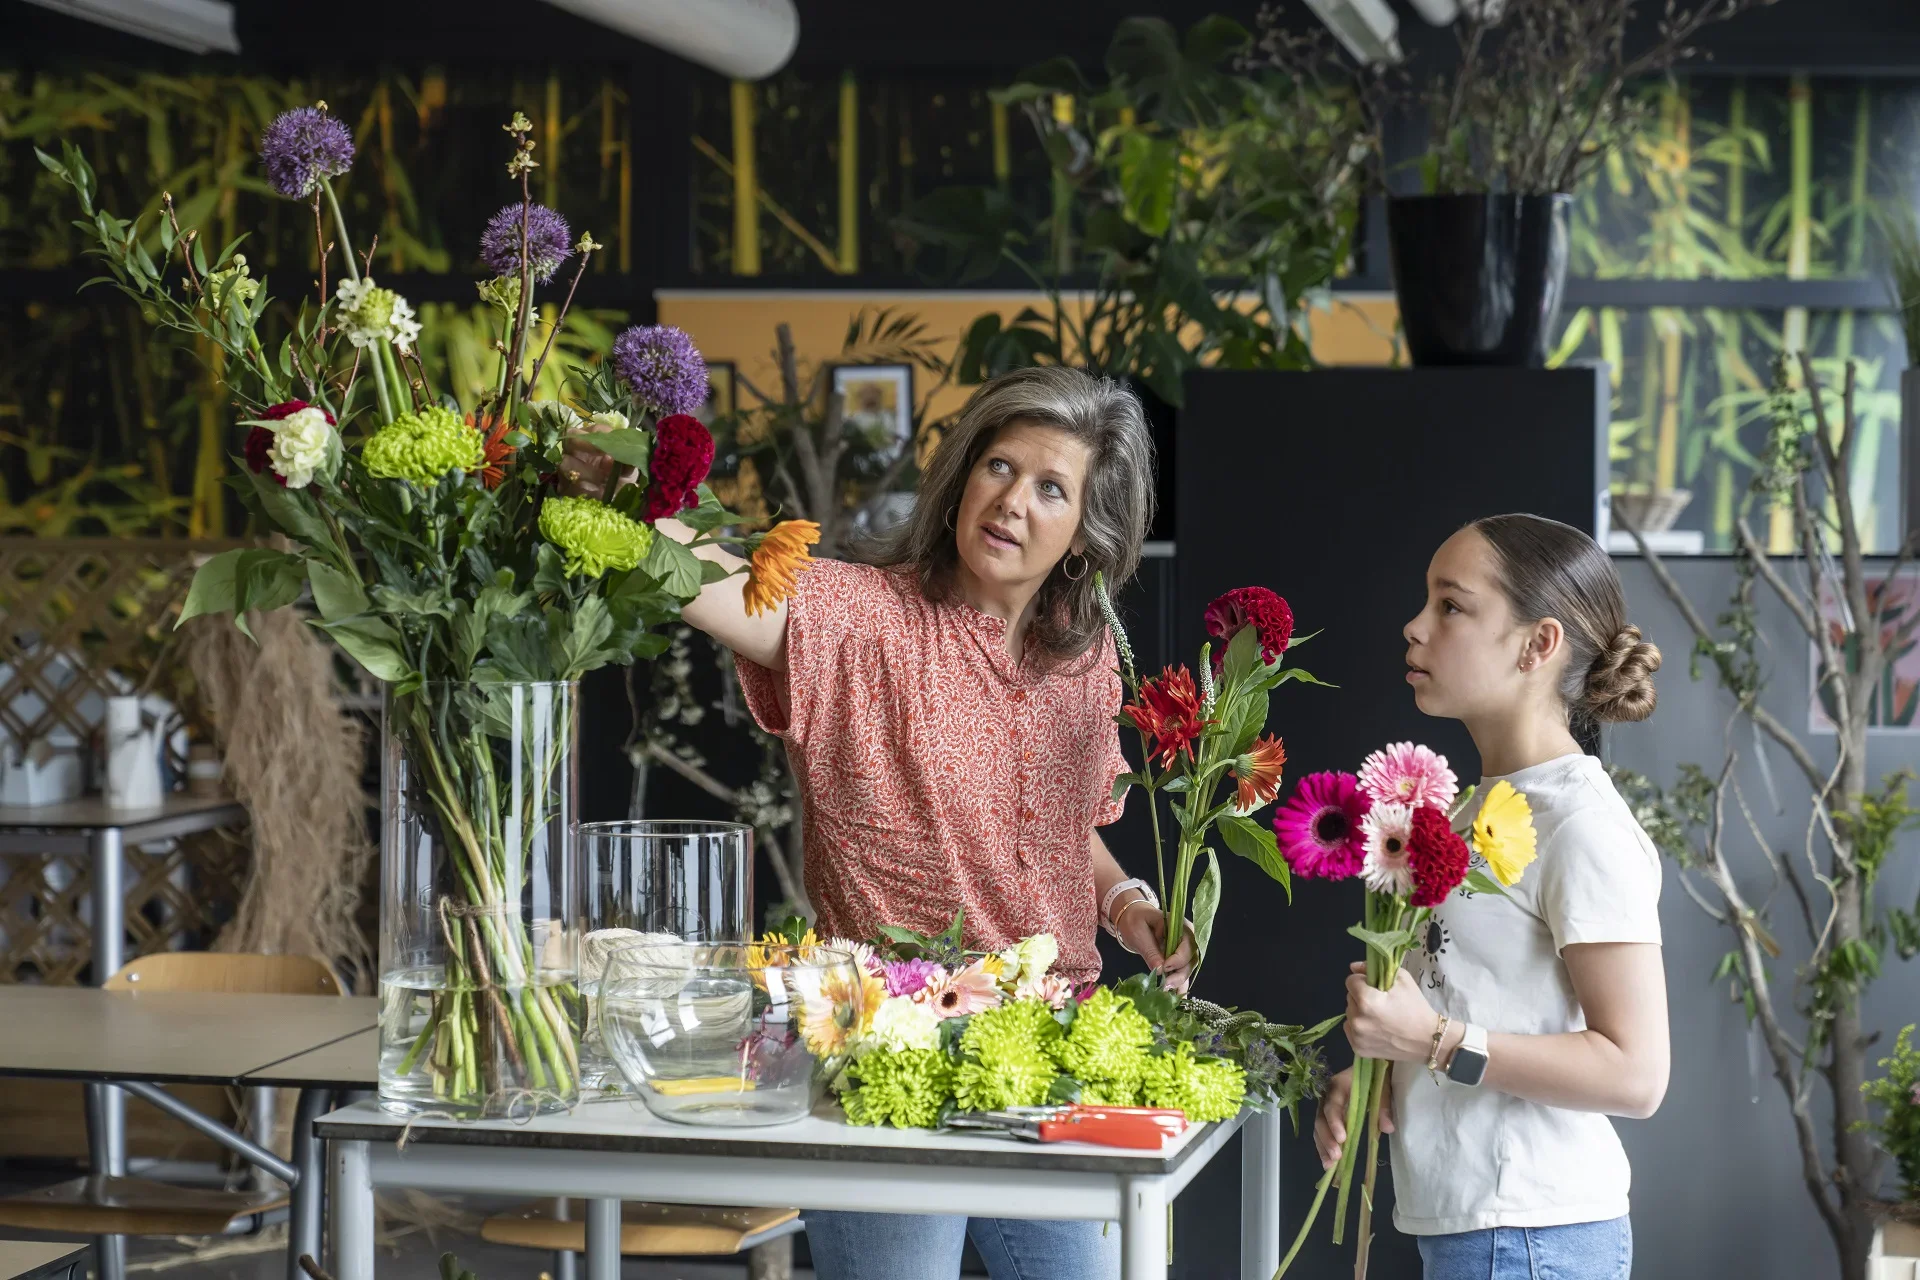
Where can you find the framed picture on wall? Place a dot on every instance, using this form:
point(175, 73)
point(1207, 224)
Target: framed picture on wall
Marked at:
point(877, 402)
point(1894, 706)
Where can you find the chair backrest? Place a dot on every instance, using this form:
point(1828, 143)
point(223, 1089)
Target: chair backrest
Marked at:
point(227, 971)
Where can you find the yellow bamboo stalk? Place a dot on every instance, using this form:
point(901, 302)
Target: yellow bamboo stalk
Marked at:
point(1002, 150)
point(828, 258)
point(550, 128)
point(1793, 332)
point(746, 187)
point(1723, 481)
point(849, 259)
point(1678, 118)
point(383, 97)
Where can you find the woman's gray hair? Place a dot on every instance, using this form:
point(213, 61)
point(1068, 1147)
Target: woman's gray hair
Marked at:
point(1116, 509)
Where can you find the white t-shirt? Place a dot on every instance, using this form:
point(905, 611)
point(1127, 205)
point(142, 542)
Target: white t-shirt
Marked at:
point(1466, 1159)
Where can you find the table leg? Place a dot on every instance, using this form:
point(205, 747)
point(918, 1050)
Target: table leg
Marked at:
point(107, 1106)
point(565, 1261)
point(1260, 1196)
point(353, 1213)
point(307, 1213)
point(603, 1240)
point(1143, 1230)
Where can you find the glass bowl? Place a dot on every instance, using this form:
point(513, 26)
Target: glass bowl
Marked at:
point(721, 1033)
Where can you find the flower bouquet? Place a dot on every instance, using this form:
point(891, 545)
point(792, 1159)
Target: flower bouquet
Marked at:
point(1392, 826)
point(938, 1030)
point(1196, 739)
point(443, 554)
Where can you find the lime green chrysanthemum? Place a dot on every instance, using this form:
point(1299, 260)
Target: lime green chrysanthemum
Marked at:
point(1112, 1094)
point(1106, 1047)
point(902, 1087)
point(421, 447)
point(1007, 1057)
point(1205, 1088)
point(595, 537)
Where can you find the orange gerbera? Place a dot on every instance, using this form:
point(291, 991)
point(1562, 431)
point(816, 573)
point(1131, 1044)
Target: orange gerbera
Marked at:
point(777, 564)
point(498, 451)
point(1257, 774)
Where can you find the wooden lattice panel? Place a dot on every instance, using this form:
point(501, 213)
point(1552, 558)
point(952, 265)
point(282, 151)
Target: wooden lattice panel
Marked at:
point(93, 616)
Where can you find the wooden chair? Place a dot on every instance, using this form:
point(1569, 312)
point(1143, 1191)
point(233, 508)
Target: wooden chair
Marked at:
point(657, 1230)
point(99, 1205)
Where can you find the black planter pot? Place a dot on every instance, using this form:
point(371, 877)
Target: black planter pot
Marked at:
point(1479, 277)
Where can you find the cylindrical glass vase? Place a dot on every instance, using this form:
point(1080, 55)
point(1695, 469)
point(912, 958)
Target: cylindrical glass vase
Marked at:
point(650, 881)
point(481, 1011)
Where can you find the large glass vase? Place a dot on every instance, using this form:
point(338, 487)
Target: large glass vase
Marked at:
point(481, 1011)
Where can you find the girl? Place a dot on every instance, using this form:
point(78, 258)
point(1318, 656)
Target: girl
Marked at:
point(948, 711)
point(1550, 1003)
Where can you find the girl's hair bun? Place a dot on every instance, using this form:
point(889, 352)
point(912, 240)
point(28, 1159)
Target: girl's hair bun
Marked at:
point(1620, 682)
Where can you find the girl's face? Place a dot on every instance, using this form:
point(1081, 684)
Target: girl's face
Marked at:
point(1465, 651)
point(1020, 513)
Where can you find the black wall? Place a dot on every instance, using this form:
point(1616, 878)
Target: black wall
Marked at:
point(1333, 488)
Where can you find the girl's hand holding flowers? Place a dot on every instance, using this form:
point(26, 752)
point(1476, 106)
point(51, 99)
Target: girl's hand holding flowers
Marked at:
point(1395, 1025)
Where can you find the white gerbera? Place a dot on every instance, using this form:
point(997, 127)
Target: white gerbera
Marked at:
point(1387, 828)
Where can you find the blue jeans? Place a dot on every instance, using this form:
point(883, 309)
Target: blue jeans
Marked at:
point(1581, 1251)
point(918, 1246)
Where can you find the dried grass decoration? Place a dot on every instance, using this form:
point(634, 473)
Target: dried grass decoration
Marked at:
point(295, 758)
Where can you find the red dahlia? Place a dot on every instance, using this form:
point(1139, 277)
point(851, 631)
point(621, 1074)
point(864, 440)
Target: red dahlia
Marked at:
point(1254, 607)
point(1169, 714)
point(1438, 857)
point(682, 455)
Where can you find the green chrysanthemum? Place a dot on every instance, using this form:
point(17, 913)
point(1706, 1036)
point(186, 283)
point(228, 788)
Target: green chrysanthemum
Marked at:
point(1106, 1047)
point(423, 446)
point(905, 1087)
point(1008, 1057)
point(595, 537)
point(1205, 1088)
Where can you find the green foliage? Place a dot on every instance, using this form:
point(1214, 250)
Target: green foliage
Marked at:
point(1178, 179)
point(1897, 1127)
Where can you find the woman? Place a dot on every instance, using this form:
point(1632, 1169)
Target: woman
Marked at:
point(948, 710)
point(1504, 1164)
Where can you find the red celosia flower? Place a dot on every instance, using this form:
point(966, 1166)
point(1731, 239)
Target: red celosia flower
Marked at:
point(260, 439)
point(1169, 714)
point(1438, 857)
point(498, 451)
point(1257, 774)
point(1254, 607)
point(682, 455)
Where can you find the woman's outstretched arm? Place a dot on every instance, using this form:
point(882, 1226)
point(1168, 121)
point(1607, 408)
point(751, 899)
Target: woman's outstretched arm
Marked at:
point(720, 610)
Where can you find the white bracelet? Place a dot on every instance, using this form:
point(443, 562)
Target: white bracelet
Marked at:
point(1106, 903)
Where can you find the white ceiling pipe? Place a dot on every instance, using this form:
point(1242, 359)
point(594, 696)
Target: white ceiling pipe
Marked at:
point(198, 26)
point(744, 39)
point(1437, 12)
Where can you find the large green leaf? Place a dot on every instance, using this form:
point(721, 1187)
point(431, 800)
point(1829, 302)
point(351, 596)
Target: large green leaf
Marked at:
point(1241, 657)
point(1149, 177)
point(623, 445)
point(372, 643)
point(1182, 87)
point(1255, 842)
point(293, 512)
point(1390, 945)
point(584, 647)
point(675, 568)
point(265, 580)
point(709, 515)
point(1480, 882)
point(337, 595)
point(212, 588)
point(1206, 901)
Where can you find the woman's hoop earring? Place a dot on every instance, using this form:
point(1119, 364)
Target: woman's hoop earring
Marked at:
point(949, 521)
point(1075, 577)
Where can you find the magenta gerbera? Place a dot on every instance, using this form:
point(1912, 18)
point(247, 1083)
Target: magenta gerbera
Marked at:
point(1319, 827)
point(1410, 774)
point(910, 977)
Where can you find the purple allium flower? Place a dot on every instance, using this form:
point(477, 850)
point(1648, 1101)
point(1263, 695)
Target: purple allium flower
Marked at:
point(549, 242)
point(301, 147)
point(662, 366)
point(907, 977)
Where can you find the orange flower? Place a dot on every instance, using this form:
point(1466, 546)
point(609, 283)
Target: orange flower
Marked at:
point(1257, 774)
point(777, 563)
point(498, 451)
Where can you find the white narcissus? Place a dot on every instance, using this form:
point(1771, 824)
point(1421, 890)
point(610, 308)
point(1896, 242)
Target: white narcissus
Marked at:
point(304, 443)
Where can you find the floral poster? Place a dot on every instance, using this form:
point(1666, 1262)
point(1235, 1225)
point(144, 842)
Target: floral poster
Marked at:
point(1895, 705)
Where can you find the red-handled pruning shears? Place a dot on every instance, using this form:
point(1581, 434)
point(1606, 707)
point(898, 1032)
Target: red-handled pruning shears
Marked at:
point(1136, 1128)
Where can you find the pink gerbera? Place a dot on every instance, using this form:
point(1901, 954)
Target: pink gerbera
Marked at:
point(1410, 774)
point(1319, 827)
point(1388, 832)
point(969, 990)
point(910, 977)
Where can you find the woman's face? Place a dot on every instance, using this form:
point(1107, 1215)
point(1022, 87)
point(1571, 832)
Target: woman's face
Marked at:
point(1464, 649)
point(1020, 513)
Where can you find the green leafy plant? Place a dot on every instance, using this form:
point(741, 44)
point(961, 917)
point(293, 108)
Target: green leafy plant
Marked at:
point(1198, 211)
point(1898, 1124)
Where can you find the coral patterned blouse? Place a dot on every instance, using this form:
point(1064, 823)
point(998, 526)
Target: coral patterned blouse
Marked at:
point(935, 771)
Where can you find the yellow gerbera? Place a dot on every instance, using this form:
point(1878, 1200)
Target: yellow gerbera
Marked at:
point(777, 563)
point(1503, 833)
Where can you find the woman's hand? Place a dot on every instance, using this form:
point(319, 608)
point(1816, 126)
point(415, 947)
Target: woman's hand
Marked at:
point(1143, 931)
point(1396, 1024)
point(585, 472)
point(1330, 1121)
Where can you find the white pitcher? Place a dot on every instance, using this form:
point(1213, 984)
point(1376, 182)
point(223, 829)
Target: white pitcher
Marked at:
point(133, 757)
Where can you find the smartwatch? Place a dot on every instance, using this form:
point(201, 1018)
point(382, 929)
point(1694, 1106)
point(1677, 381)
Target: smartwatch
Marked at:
point(1469, 1063)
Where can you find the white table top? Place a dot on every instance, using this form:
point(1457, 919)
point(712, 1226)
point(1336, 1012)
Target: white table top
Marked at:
point(85, 1033)
point(28, 1258)
point(623, 1126)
